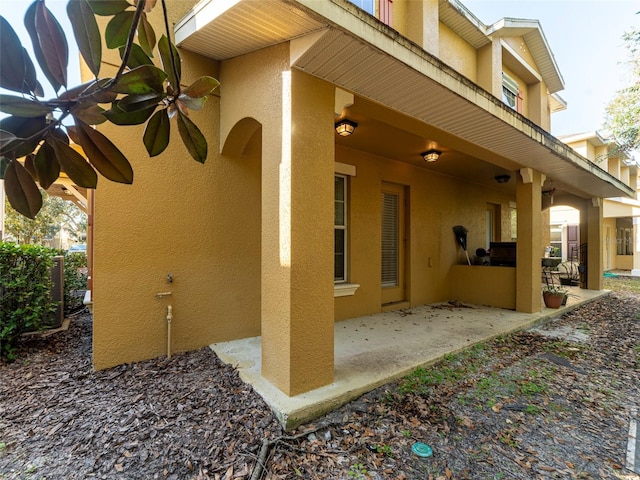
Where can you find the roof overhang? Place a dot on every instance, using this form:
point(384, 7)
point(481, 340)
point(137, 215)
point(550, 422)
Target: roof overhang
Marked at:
point(531, 32)
point(338, 42)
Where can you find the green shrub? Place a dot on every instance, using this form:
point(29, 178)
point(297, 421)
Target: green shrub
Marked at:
point(75, 280)
point(25, 292)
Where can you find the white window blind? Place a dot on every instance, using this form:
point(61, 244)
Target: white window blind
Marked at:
point(390, 239)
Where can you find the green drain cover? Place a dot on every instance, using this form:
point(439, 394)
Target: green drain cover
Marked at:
point(421, 449)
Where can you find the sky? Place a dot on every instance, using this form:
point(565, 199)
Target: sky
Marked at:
point(585, 37)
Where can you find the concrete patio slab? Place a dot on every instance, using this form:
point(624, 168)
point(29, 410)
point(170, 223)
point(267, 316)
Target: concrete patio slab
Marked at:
point(377, 349)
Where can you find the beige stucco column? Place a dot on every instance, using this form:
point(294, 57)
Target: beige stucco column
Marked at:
point(297, 237)
point(635, 271)
point(594, 244)
point(528, 253)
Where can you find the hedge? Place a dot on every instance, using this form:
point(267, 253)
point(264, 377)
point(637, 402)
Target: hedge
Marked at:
point(25, 286)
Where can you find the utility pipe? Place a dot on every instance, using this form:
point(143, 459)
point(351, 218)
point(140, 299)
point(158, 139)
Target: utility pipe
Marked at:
point(169, 318)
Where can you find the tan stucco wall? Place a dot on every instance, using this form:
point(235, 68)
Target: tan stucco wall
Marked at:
point(297, 212)
point(609, 244)
point(436, 203)
point(457, 53)
point(178, 217)
point(484, 285)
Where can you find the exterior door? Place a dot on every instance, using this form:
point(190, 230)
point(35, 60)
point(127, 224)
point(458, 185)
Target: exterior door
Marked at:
point(393, 244)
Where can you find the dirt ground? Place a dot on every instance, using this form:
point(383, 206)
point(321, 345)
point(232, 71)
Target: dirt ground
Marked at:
point(549, 403)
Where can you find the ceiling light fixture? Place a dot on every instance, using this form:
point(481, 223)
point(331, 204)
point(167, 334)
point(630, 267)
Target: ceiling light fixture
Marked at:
point(431, 155)
point(345, 127)
point(502, 178)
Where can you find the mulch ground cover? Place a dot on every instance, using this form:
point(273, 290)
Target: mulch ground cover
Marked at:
point(554, 402)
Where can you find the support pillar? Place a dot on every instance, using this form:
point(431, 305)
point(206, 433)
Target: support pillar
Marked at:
point(529, 246)
point(595, 270)
point(635, 271)
point(297, 238)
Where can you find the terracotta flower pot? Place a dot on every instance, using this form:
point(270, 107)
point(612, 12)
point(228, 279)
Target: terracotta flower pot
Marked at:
point(553, 300)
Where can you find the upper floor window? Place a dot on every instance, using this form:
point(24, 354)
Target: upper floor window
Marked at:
point(366, 5)
point(510, 91)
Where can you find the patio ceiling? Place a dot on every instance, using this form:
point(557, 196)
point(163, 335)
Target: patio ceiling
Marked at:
point(336, 41)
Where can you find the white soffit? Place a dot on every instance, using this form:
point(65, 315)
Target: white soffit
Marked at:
point(222, 29)
point(386, 68)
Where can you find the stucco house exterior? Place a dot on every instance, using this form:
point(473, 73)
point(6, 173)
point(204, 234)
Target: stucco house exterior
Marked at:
point(621, 215)
point(290, 227)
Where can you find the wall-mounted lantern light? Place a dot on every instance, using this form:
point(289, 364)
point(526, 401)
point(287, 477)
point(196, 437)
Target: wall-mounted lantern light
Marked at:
point(345, 127)
point(431, 155)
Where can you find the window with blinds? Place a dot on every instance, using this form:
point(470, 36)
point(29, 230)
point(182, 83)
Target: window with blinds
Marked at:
point(340, 229)
point(390, 239)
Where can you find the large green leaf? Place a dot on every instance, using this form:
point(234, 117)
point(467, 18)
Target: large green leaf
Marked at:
point(157, 133)
point(85, 29)
point(53, 43)
point(201, 87)
point(119, 117)
point(12, 63)
point(30, 167)
point(6, 138)
point(165, 47)
point(91, 91)
point(46, 165)
point(22, 107)
point(192, 103)
point(103, 154)
point(137, 56)
point(23, 128)
point(108, 7)
point(192, 138)
point(30, 25)
point(30, 75)
point(117, 31)
point(91, 114)
point(135, 103)
point(22, 192)
point(140, 80)
point(146, 35)
point(73, 164)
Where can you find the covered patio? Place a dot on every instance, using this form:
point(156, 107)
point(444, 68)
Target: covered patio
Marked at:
point(377, 349)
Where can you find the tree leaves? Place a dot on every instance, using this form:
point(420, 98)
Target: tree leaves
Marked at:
point(146, 36)
point(117, 31)
point(22, 192)
point(108, 7)
point(192, 137)
point(73, 164)
point(35, 129)
point(22, 107)
point(13, 69)
point(142, 79)
point(87, 34)
point(156, 135)
point(103, 154)
point(53, 43)
point(46, 166)
point(167, 49)
point(201, 87)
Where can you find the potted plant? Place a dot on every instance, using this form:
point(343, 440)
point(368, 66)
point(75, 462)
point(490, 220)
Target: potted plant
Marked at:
point(571, 274)
point(554, 295)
